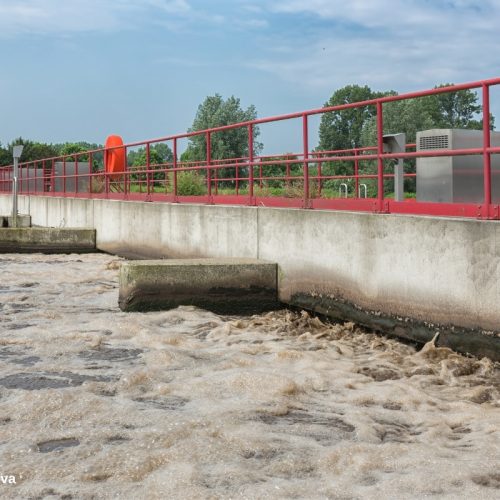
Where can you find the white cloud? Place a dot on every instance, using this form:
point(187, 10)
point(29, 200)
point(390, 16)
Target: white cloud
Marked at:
point(385, 13)
point(388, 44)
point(61, 16)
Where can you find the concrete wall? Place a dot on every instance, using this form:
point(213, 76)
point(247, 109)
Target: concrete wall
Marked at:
point(424, 269)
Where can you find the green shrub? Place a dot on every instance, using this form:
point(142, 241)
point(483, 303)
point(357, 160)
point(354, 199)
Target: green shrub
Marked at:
point(190, 184)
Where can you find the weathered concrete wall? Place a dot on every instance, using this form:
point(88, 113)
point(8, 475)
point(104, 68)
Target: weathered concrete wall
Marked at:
point(395, 273)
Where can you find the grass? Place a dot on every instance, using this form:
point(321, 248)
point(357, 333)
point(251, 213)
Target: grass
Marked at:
point(293, 191)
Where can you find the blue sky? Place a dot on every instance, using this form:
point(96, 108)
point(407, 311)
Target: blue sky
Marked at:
point(84, 69)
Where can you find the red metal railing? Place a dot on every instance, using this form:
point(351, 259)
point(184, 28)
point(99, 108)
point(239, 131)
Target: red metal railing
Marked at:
point(307, 179)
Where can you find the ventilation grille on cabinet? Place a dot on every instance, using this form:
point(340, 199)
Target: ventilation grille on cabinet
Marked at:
point(434, 142)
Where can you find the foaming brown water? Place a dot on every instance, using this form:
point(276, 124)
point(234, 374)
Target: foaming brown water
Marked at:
point(96, 403)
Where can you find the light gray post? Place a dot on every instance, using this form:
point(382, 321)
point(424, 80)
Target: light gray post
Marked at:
point(396, 143)
point(399, 193)
point(16, 153)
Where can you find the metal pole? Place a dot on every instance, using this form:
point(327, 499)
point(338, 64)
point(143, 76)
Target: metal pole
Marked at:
point(209, 158)
point(175, 168)
point(380, 161)
point(486, 154)
point(250, 164)
point(14, 192)
point(305, 142)
point(356, 174)
point(17, 151)
point(399, 193)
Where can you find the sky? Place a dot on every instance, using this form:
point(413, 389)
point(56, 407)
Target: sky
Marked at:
point(80, 70)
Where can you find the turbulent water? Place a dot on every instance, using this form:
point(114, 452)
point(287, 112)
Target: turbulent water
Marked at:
point(96, 403)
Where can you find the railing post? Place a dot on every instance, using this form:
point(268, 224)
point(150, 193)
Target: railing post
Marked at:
point(76, 173)
point(216, 177)
point(485, 212)
point(53, 177)
point(288, 170)
point(90, 173)
point(175, 168)
point(148, 166)
point(356, 174)
point(320, 180)
point(64, 175)
point(237, 180)
point(305, 139)
point(250, 165)
point(380, 160)
point(126, 176)
point(209, 173)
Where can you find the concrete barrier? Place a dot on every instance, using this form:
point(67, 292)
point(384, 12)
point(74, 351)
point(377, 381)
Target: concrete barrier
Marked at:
point(407, 276)
point(8, 221)
point(224, 286)
point(47, 240)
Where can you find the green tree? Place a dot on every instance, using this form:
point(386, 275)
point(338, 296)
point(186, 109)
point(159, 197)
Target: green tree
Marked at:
point(408, 116)
point(454, 109)
point(69, 148)
point(342, 129)
point(160, 155)
point(5, 156)
point(33, 151)
point(228, 144)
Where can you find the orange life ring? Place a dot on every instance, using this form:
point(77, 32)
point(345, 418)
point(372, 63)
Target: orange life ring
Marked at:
point(114, 157)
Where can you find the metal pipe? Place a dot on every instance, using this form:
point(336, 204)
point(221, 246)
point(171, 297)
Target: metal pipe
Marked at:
point(305, 140)
point(356, 173)
point(380, 161)
point(250, 163)
point(175, 168)
point(15, 191)
point(209, 156)
point(486, 146)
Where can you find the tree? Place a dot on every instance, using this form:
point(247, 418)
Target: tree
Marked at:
point(5, 157)
point(228, 144)
point(33, 151)
point(342, 129)
point(159, 156)
point(407, 116)
point(454, 109)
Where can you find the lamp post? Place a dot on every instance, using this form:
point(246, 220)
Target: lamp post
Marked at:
point(17, 151)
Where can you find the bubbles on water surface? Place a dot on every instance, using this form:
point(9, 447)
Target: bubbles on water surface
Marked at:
point(97, 403)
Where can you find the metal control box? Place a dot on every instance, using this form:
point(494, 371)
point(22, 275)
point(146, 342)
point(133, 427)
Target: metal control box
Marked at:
point(455, 178)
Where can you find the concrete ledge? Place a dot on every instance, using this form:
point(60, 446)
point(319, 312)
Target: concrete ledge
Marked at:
point(224, 286)
point(22, 221)
point(47, 240)
point(464, 340)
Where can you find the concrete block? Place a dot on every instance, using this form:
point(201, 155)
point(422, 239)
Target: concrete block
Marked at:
point(22, 221)
point(224, 286)
point(47, 240)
